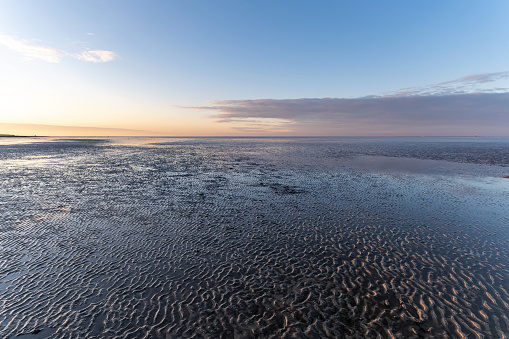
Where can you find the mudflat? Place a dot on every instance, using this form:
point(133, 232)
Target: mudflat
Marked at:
point(254, 237)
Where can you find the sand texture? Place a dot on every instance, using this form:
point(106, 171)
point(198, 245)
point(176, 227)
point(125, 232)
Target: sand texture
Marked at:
point(254, 238)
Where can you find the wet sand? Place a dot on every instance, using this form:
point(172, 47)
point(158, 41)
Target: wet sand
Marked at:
point(254, 238)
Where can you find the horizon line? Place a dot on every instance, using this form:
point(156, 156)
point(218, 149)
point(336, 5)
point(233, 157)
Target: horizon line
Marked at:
point(250, 136)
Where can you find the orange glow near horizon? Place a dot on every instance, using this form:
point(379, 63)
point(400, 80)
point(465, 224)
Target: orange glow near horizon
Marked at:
point(180, 129)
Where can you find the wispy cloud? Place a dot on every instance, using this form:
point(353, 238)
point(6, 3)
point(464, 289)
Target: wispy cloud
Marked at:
point(475, 83)
point(416, 110)
point(97, 56)
point(31, 51)
point(479, 78)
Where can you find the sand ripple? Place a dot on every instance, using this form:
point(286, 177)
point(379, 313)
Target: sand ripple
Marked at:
point(210, 240)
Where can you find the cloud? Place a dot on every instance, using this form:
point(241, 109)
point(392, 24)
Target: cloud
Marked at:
point(409, 112)
point(447, 108)
point(97, 56)
point(479, 78)
point(30, 51)
point(467, 84)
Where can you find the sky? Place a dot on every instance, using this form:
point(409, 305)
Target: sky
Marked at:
point(254, 68)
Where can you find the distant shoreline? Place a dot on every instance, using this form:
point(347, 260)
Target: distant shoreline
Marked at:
point(17, 136)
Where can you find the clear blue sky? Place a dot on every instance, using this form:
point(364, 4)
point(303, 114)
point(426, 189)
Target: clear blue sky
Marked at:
point(167, 66)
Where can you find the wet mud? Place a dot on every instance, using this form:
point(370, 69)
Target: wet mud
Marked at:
point(254, 238)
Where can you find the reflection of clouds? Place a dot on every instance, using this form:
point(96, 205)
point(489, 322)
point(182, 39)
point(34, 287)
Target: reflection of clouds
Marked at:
point(41, 161)
point(49, 54)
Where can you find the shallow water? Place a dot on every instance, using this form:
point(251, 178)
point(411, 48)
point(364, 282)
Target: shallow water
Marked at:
point(254, 238)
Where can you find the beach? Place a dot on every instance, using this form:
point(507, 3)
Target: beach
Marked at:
point(254, 237)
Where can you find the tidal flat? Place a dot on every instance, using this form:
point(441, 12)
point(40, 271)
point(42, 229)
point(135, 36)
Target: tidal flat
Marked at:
point(254, 238)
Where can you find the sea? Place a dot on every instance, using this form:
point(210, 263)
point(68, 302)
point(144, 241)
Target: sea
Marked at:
point(330, 237)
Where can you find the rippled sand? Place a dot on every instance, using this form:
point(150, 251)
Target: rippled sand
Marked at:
point(254, 238)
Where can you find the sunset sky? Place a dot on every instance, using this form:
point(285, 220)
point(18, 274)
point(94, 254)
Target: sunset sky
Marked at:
point(176, 68)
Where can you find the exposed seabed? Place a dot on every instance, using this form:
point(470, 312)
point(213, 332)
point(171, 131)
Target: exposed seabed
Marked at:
point(254, 238)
